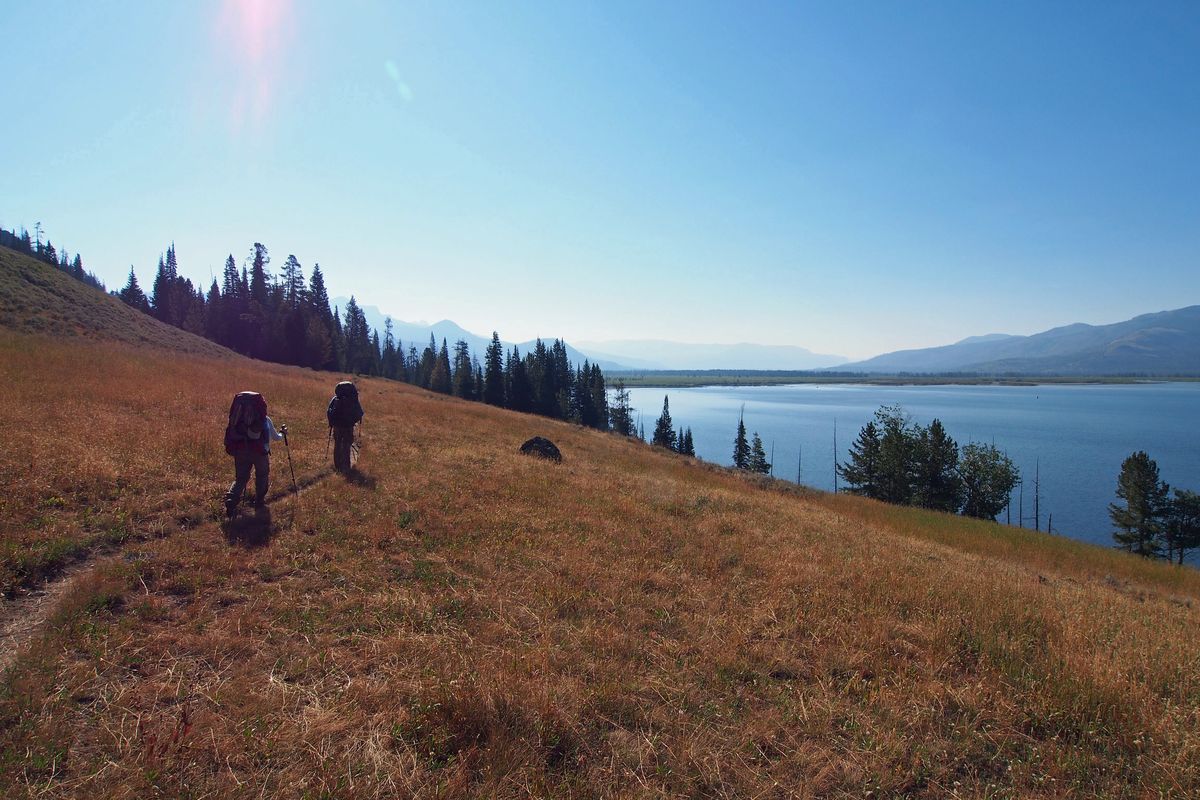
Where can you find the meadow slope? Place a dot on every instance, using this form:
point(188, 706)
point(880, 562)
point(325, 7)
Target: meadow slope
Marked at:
point(458, 620)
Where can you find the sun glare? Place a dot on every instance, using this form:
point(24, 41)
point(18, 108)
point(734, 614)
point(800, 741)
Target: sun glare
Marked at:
point(251, 36)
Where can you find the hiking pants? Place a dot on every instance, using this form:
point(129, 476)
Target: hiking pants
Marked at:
point(261, 462)
point(342, 439)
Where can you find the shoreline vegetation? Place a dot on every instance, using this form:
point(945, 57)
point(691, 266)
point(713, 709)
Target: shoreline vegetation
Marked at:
point(693, 379)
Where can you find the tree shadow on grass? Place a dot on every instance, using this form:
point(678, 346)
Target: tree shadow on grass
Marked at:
point(250, 529)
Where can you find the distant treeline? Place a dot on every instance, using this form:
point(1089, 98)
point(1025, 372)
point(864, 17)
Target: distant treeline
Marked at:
point(286, 318)
point(45, 251)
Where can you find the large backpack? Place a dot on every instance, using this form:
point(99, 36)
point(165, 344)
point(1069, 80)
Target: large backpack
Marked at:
point(344, 409)
point(244, 433)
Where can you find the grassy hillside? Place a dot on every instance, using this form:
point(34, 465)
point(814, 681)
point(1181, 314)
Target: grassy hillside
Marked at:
point(35, 298)
point(458, 620)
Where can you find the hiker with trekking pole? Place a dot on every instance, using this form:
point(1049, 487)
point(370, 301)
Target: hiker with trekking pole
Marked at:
point(343, 414)
point(248, 438)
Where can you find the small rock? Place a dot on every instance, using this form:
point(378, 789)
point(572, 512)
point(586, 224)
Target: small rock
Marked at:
point(537, 446)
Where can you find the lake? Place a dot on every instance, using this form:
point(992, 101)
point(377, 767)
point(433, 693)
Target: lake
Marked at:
point(1074, 437)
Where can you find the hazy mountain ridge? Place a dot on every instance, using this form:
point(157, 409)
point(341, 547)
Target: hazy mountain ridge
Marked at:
point(1161, 343)
point(661, 354)
point(417, 334)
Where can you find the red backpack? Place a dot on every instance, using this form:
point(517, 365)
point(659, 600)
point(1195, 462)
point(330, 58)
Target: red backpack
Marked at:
point(244, 433)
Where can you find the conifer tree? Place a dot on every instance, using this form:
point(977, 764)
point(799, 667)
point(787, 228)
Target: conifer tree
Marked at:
point(1181, 531)
point(861, 472)
point(293, 282)
point(161, 293)
point(213, 309)
point(493, 372)
point(428, 362)
point(620, 414)
point(259, 259)
point(664, 430)
point(1139, 522)
point(133, 295)
point(599, 391)
point(897, 455)
point(439, 380)
point(464, 374)
point(758, 457)
point(688, 448)
point(741, 447)
point(520, 390)
point(936, 483)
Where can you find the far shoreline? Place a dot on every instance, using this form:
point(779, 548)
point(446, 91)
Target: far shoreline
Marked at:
point(694, 379)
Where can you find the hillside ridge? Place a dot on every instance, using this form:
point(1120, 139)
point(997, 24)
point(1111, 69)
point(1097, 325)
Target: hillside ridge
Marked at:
point(1159, 343)
point(37, 299)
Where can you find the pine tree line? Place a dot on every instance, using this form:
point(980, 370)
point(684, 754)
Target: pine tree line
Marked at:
point(898, 461)
point(665, 435)
point(749, 455)
point(287, 319)
point(47, 252)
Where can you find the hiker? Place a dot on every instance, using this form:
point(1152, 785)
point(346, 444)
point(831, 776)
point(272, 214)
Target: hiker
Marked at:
point(248, 438)
point(344, 413)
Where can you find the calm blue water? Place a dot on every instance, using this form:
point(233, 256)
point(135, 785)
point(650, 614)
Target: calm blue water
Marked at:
point(1075, 436)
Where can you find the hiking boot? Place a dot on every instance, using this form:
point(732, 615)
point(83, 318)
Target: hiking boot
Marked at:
point(231, 508)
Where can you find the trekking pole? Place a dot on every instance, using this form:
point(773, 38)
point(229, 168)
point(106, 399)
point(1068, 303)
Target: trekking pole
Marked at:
point(288, 446)
point(327, 441)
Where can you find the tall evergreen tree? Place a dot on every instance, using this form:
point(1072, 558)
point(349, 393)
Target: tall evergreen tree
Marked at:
point(293, 282)
point(741, 446)
point(1181, 532)
point(936, 482)
point(161, 294)
point(133, 295)
point(259, 259)
point(758, 457)
point(620, 414)
point(213, 310)
point(599, 391)
point(440, 381)
point(493, 372)
point(861, 472)
point(897, 455)
point(687, 447)
point(520, 390)
point(463, 374)
point(664, 429)
point(1139, 522)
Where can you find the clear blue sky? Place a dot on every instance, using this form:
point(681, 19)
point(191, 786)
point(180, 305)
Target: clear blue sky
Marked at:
point(848, 177)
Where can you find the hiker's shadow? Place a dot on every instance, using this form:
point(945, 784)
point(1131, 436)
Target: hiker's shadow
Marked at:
point(359, 478)
point(250, 529)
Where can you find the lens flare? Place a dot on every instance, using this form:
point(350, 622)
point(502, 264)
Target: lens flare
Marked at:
point(252, 35)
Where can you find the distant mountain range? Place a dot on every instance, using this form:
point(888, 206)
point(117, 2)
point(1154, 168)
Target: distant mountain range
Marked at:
point(417, 334)
point(617, 356)
point(653, 354)
point(1164, 343)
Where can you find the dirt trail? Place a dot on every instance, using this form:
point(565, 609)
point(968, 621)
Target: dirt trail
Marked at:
point(25, 615)
point(22, 617)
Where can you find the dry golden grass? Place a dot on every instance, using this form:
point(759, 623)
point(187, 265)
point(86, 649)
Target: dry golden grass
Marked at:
point(35, 298)
point(463, 621)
